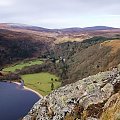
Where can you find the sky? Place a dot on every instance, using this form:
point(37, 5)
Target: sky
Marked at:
point(61, 13)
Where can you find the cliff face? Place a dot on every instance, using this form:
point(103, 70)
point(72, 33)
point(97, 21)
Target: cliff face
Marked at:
point(92, 98)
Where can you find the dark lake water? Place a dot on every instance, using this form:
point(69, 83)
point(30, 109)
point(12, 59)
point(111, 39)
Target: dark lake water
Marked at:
point(15, 102)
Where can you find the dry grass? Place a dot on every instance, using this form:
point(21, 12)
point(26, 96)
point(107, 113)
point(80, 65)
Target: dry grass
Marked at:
point(115, 44)
point(112, 111)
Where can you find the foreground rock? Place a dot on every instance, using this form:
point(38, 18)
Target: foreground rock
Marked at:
point(86, 99)
point(112, 108)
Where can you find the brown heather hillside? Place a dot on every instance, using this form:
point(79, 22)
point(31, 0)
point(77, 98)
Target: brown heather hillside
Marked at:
point(93, 59)
point(115, 45)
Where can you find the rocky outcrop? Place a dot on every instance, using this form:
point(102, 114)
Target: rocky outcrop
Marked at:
point(86, 99)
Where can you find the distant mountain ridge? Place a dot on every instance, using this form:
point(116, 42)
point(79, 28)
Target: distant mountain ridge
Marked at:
point(41, 29)
point(94, 28)
point(24, 26)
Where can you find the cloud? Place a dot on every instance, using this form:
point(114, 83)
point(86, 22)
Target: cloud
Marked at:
point(58, 13)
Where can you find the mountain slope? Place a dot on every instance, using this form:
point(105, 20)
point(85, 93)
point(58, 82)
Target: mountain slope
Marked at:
point(63, 35)
point(92, 59)
point(20, 45)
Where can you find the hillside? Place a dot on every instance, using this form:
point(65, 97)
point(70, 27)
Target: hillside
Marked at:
point(92, 98)
point(16, 45)
point(19, 41)
point(85, 53)
point(63, 35)
point(85, 59)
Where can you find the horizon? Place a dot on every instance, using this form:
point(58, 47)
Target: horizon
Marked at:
point(28, 25)
point(61, 14)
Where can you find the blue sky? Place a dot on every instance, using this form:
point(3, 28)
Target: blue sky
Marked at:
point(61, 13)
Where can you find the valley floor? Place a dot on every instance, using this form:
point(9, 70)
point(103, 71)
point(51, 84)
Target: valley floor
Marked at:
point(41, 82)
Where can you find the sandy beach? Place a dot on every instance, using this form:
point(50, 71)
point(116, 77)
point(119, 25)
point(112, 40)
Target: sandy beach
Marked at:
point(17, 83)
point(26, 88)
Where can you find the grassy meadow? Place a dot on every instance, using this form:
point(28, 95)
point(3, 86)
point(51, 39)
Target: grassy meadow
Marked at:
point(41, 82)
point(21, 65)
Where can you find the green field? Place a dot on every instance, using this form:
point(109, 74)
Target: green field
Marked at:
point(41, 82)
point(19, 66)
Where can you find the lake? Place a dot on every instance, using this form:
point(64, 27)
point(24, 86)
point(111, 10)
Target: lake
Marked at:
point(15, 101)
